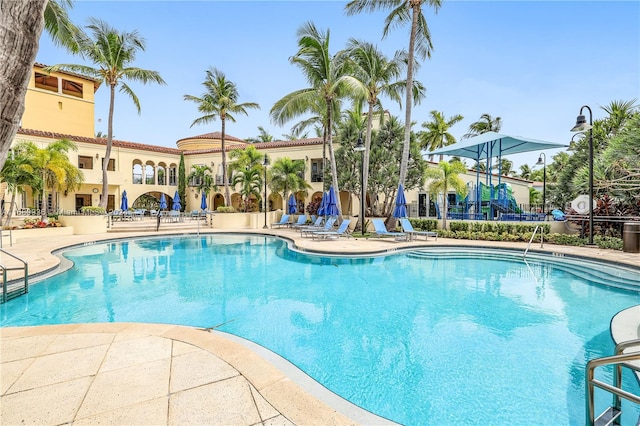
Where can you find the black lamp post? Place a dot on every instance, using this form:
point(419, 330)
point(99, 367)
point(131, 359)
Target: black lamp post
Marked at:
point(360, 147)
point(581, 126)
point(542, 161)
point(265, 163)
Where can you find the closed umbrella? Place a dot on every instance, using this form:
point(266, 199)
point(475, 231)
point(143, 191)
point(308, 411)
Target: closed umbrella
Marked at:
point(292, 209)
point(124, 204)
point(323, 205)
point(400, 210)
point(332, 205)
point(163, 202)
point(176, 202)
point(203, 202)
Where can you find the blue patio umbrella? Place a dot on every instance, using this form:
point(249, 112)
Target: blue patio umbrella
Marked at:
point(163, 202)
point(203, 202)
point(323, 205)
point(292, 205)
point(400, 210)
point(124, 204)
point(332, 205)
point(176, 202)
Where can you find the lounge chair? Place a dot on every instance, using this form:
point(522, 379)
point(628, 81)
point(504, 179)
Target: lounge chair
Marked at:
point(302, 221)
point(340, 232)
point(328, 226)
point(316, 225)
point(284, 221)
point(380, 231)
point(408, 228)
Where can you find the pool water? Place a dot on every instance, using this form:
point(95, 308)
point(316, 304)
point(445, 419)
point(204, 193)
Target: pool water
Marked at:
point(417, 338)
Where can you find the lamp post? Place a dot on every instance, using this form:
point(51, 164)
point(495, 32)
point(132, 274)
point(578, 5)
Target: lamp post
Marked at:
point(265, 163)
point(360, 148)
point(581, 126)
point(542, 161)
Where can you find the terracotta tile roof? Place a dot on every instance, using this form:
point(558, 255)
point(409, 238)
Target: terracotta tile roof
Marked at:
point(100, 141)
point(214, 135)
point(96, 81)
point(262, 145)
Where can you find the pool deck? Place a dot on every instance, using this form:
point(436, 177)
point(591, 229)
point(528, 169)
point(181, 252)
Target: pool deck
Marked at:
point(157, 374)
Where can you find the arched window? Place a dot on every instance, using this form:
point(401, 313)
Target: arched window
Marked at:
point(137, 174)
point(149, 174)
point(162, 174)
point(173, 175)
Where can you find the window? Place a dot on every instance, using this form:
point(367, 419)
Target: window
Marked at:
point(172, 176)
point(112, 164)
point(161, 176)
point(46, 82)
point(149, 175)
point(71, 88)
point(316, 170)
point(195, 181)
point(85, 162)
point(137, 174)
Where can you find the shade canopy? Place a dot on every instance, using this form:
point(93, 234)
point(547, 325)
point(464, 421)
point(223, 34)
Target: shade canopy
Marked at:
point(163, 202)
point(176, 202)
point(492, 144)
point(203, 202)
point(332, 204)
point(292, 205)
point(124, 203)
point(400, 210)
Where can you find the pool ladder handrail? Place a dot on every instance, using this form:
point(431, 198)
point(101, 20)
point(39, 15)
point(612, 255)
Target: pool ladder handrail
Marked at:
point(23, 290)
point(613, 413)
point(533, 236)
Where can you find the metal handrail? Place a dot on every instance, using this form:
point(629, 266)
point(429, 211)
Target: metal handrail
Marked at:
point(10, 237)
point(619, 360)
point(4, 274)
point(533, 236)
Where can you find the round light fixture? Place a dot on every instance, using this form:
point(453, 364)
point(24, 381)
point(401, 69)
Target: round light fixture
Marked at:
point(95, 190)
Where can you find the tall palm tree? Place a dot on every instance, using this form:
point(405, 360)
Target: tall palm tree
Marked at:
point(287, 175)
point(485, 124)
point(379, 76)
point(329, 79)
point(403, 11)
point(112, 53)
point(22, 24)
point(525, 171)
point(246, 158)
point(220, 100)
point(17, 173)
point(437, 133)
point(446, 177)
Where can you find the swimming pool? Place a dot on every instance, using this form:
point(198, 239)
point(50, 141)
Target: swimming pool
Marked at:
point(423, 337)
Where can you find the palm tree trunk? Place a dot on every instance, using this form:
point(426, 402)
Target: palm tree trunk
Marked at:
point(365, 161)
point(43, 206)
point(334, 170)
point(12, 203)
point(324, 156)
point(227, 197)
point(409, 98)
point(21, 26)
point(107, 154)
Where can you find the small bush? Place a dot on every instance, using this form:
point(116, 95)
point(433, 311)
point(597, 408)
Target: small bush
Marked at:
point(225, 209)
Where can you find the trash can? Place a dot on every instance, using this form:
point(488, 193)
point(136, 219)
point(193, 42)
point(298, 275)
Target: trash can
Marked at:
point(631, 237)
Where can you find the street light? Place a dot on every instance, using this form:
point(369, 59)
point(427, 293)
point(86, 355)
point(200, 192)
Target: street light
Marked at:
point(581, 126)
point(542, 161)
point(360, 147)
point(265, 163)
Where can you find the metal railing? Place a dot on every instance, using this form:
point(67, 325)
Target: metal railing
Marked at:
point(533, 236)
point(619, 360)
point(5, 291)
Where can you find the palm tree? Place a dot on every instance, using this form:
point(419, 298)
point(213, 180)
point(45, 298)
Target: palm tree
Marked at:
point(446, 177)
point(485, 124)
point(250, 181)
point(506, 167)
point(525, 171)
point(287, 175)
point(220, 100)
point(437, 134)
point(22, 24)
point(53, 169)
point(112, 53)
point(201, 178)
point(246, 158)
point(329, 79)
point(17, 173)
point(379, 76)
point(419, 43)
point(296, 134)
point(619, 112)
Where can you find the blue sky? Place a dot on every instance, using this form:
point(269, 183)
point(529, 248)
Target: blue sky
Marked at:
point(533, 63)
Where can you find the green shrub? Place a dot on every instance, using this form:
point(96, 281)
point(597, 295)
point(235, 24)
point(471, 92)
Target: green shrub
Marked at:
point(224, 209)
point(424, 224)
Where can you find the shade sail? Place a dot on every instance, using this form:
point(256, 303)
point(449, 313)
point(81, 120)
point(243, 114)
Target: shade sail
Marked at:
point(492, 144)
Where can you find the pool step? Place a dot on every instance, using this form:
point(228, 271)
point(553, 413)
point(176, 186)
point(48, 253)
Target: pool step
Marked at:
point(608, 417)
point(613, 276)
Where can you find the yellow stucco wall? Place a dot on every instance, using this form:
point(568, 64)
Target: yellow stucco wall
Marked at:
point(59, 112)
